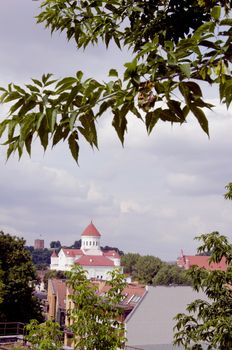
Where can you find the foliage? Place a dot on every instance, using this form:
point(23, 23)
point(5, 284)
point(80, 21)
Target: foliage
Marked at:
point(55, 244)
point(44, 336)
point(146, 268)
point(129, 261)
point(40, 257)
point(176, 44)
point(209, 321)
point(106, 248)
point(228, 194)
point(76, 244)
point(53, 274)
point(171, 275)
point(18, 274)
point(94, 320)
point(2, 287)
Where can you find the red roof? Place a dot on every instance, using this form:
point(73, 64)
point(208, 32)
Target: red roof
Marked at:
point(54, 254)
point(201, 261)
point(112, 253)
point(91, 231)
point(72, 252)
point(94, 260)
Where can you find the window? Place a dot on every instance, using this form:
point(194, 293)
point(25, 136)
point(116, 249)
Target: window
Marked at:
point(90, 243)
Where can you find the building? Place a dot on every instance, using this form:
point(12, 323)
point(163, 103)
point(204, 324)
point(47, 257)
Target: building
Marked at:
point(56, 301)
point(187, 261)
point(150, 324)
point(39, 244)
point(97, 263)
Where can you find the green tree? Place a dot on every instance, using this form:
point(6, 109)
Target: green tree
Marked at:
point(171, 275)
point(209, 322)
point(18, 274)
point(44, 336)
point(55, 244)
point(129, 261)
point(228, 194)
point(53, 274)
point(2, 287)
point(176, 45)
point(95, 320)
point(146, 268)
point(77, 244)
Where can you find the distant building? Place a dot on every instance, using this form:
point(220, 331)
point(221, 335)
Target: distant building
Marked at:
point(39, 244)
point(97, 263)
point(186, 261)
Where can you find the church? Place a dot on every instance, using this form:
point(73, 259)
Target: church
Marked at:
point(90, 256)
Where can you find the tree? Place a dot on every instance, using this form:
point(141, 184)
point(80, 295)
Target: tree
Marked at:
point(95, 319)
point(209, 322)
point(77, 244)
point(146, 268)
point(2, 287)
point(129, 261)
point(53, 274)
point(44, 336)
point(176, 45)
point(18, 274)
point(171, 275)
point(55, 244)
point(41, 257)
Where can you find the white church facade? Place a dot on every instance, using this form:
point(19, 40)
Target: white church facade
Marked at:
point(94, 261)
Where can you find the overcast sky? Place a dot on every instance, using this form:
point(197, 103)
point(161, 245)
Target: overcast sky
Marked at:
point(153, 196)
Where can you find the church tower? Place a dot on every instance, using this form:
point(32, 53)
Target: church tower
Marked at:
point(90, 240)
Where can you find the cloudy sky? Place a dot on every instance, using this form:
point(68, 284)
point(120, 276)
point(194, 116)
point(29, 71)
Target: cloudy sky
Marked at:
point(153, 196)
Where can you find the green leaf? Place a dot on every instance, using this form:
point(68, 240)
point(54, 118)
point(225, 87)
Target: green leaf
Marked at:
point(12, 96)
point(200, 115)
point(113, 73)
point(79, 75)
point(73, 145)
point(32, 88)
point(151, 119)
point(28, 141)
point(72, 120)
point(68, 81)
point(16, 106)
point(194, 87)
point(37, 82)
point(120, 124)
point(3, 126)
point(216, 12)
point(186, 69)
point(226, 22)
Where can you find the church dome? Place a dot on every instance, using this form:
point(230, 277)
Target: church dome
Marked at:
point(91, 231)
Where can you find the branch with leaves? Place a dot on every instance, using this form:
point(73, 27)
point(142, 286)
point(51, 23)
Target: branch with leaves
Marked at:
point(162, 83)
point(208, 323)
point(95, 320)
